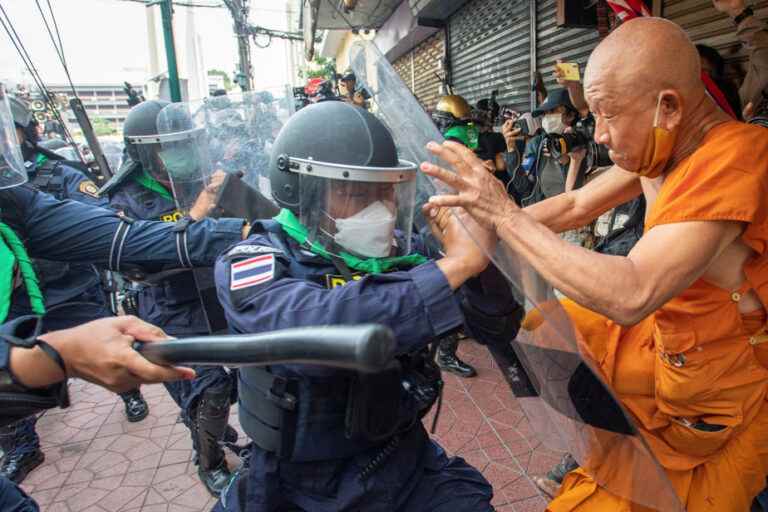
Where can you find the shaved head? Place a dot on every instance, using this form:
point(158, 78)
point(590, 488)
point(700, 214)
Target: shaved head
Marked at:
point(645, 66)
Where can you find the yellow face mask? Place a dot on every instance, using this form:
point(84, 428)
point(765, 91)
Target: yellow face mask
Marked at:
point(659, 149)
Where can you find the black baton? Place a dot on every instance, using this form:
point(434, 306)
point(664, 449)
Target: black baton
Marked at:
point(364, 348)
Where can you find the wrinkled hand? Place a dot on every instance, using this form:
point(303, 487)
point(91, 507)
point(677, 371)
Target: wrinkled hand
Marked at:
point(477, 191)
point(102, 352)
point(206, 201)
point(462, 237)
point(730, 7)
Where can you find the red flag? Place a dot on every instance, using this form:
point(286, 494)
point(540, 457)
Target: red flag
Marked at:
point(628, 9)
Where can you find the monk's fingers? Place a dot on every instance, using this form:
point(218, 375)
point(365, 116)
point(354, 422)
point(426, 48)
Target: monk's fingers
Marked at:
point(457, 155)
point(451, 179)
point(449, 201)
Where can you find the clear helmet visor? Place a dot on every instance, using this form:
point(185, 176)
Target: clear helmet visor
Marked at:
point(365, 219)
point(12, 170)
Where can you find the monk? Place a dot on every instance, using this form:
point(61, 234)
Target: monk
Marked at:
point(684, 313)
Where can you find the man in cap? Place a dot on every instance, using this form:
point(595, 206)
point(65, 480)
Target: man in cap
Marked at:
point(342, 252)
point(677, 327)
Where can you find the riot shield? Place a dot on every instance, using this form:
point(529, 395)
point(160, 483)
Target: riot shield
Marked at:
point(562, 393)
point(12, 170)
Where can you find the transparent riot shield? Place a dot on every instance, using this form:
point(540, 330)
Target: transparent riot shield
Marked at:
point(562, 393)
point(241, 130)
point(12, 170)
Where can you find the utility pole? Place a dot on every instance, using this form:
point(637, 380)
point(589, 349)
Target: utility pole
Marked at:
point(166, 10)
point(239, 11)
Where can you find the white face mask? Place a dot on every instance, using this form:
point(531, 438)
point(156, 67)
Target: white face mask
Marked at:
point(553, 123)
point(369, 232)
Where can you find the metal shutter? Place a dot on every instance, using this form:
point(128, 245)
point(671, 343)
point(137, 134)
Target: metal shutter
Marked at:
point(490, 49)
point(420, 68)
point(552, 43)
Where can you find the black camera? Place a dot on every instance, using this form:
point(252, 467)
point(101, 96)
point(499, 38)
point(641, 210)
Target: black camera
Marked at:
point(582, 136)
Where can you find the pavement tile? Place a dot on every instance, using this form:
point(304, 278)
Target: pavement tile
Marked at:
point(96, 461)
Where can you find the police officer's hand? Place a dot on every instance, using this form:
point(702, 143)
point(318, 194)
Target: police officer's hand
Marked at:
point(206, 201)
point(466, 244)
point(102, 352)
point(483, 196)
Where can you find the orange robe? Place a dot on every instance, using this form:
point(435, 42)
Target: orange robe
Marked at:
point(692, 362)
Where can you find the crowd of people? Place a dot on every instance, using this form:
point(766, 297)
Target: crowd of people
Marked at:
point(669, 308)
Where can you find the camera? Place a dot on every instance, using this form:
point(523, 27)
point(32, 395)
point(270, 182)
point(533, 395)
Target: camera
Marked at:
point(582, 137)
point(527, 124)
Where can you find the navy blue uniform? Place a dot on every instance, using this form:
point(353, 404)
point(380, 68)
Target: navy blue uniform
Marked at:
point(74, 232)
point(276, 285)
point(174, 302)
point(73, 291)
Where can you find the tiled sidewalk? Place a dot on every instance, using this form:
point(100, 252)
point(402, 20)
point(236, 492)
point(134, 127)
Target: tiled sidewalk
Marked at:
point(98, 462)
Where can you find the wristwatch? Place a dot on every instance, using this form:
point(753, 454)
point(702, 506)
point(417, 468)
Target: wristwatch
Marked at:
point(746, 13)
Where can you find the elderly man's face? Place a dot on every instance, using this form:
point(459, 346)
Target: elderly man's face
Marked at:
point(622, 123)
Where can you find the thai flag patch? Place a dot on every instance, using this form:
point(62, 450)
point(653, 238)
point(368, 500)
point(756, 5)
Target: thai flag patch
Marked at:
point(252, 271)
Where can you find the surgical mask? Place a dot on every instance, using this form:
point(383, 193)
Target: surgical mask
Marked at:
point(661, 143)
point(368, 232)
point(553, 123)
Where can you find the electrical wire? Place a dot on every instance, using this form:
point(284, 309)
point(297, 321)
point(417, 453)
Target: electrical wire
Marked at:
point(57, 47)
point(15, 39)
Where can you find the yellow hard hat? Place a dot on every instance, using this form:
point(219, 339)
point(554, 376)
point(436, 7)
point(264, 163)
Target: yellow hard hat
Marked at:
point(454, 105)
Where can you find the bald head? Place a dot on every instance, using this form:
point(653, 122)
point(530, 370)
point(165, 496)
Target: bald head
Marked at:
point(644, 56)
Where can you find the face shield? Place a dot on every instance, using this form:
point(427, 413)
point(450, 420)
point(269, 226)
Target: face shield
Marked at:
point(12, 170)
point(366, 212)
point(568, 404)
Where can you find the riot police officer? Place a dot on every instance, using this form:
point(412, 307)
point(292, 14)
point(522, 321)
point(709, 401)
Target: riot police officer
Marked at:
point(142, 189)
point(35, 224)
point(341, 251)
point(73, 292)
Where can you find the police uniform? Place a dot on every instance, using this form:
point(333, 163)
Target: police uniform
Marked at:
point(62, 284)
point(324, 470)
point(336, 440)
point(170, 298)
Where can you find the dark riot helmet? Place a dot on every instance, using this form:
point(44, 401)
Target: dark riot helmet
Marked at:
point(335, 165)
point(140, 136)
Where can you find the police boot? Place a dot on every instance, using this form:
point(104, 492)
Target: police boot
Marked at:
point(22, 450)
point(448, 361)
point(209, 427)
point(136, 408)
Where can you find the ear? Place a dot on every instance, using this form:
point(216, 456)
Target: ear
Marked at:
point(670, 109)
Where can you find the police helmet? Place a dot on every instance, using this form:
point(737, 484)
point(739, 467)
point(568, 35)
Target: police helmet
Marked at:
point(325, 176)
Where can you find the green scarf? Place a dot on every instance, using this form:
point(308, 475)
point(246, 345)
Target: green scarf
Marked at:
point(468, 134)
point(40, 159)
point(146, 180)
point(294, 228)
point(12, 252)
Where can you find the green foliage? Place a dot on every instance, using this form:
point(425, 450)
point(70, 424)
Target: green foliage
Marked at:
point(321, 67)
point(102, 127)
point(224, 74)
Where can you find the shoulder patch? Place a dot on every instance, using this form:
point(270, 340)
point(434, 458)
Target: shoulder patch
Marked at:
point(89, 188)
point(253, 271)
point(253, 249)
